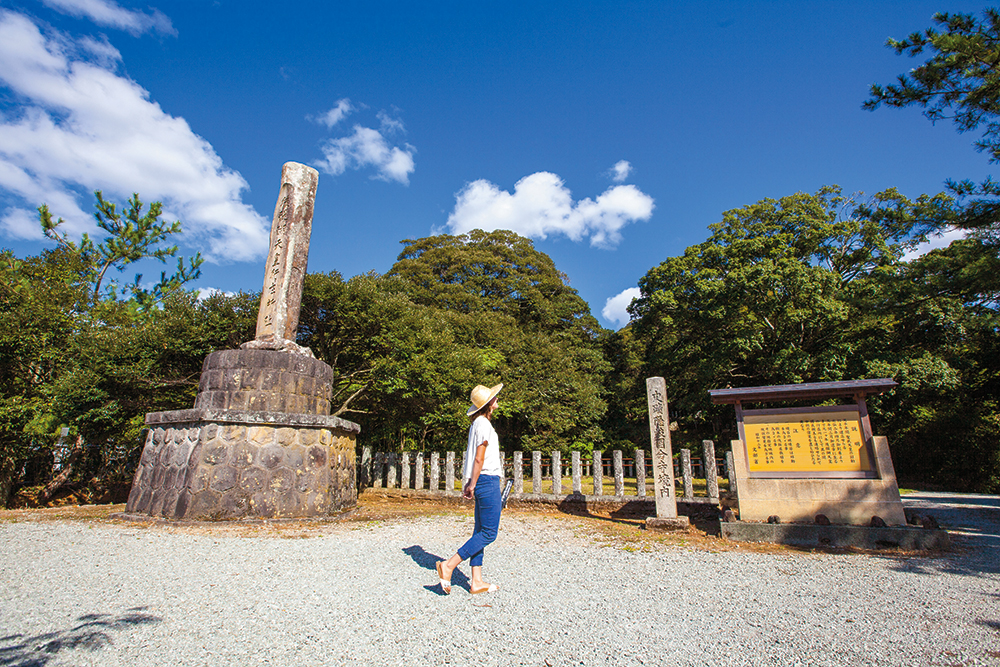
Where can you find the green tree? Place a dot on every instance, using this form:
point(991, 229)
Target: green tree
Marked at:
point(396, 363)
point(499, 272)
point(946, 301)
point(453, 312)
point(960, 81)
point(626, 421)
point(75, 355)
point(774, 296)
point(811, 288)
point(121, 364)
point(937, 336)
point(130, 238)
point(546, 341)
point(41, 300)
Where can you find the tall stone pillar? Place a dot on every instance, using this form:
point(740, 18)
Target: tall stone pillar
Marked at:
point(663, 458)
point(260, 440)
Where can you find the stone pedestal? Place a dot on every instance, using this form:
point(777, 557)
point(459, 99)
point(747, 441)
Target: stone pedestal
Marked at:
point(668, 523)
point(259, 443)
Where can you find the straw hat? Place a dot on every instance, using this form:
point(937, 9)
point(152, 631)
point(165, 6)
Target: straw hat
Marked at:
point(481, 396)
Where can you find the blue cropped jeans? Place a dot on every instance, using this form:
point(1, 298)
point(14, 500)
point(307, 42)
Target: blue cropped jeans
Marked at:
point(487, 496)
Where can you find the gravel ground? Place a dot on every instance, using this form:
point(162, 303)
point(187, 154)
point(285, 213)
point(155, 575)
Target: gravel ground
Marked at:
point(103, 593)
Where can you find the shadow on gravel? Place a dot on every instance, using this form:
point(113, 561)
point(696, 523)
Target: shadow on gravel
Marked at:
point(92, 634)
point(974, 524)
point(632, 513)
point(427, 560)
point(703, 517)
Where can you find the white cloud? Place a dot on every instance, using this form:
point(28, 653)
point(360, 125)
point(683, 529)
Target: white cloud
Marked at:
point(615, 307)
point(80, 126)
point(542, 205)
point(935, 241)
point(334, 115)
point(389, 124)
point(368, 148)
point(620, 171)
point(111, 14)
point(207, 292)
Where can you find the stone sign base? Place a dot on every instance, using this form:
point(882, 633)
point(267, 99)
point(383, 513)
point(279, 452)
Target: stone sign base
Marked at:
point(669, 524)
point(859, 537)
point(209, 465)
point(262, 380)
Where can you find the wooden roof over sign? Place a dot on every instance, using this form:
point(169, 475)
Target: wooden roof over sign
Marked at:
point(792, 392)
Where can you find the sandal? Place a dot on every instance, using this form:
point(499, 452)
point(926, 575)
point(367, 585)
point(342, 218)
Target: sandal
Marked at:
point(445, 583)
point(492, 588)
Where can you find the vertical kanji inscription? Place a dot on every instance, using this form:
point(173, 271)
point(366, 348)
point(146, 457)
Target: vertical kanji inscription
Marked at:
point(281, 298)
point(663, 456)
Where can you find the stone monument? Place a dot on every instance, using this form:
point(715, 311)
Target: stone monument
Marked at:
point(663, 459)
point(260, 441)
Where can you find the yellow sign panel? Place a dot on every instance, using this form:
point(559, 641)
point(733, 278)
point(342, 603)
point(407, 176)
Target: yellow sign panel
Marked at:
point(806, 442)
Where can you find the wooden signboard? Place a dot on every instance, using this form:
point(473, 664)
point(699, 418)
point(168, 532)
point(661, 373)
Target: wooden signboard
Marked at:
point(806, 442)
point(795, 463)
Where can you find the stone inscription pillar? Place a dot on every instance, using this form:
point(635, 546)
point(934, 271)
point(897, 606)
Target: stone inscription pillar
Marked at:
point(284, 273)
point(260, 441)
point(663, 458)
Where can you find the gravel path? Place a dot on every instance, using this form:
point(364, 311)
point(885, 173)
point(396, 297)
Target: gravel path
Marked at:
point(91, 593)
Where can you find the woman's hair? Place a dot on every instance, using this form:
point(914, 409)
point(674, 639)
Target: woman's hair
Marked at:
point(482, 410)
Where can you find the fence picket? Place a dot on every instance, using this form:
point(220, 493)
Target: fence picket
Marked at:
point(422, 470)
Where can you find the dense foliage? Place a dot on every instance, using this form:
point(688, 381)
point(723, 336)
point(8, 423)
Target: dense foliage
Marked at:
point(76, 356)
point(813, 288)
point(804, 288)
point(453, 312)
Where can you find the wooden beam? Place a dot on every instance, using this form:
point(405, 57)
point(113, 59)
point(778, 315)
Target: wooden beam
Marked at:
point(808, 390)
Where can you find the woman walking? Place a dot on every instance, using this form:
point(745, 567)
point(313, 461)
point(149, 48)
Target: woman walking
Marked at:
point(483, 472)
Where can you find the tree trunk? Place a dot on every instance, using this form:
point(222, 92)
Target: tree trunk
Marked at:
point(63, 477)
point(8, 476)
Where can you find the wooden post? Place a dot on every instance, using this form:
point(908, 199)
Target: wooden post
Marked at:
point(577, 474)
point(366, 467)
point(686, 473)
point(536, 472)
point(449, 473)
point(640, 472)
point(390, 472)
point(731, 472)
point(377, 477)
point(435, 471)
point(518, 487)
point(404, 475)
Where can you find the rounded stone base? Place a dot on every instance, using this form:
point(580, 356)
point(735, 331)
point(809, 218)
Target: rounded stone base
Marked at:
point(211, 471)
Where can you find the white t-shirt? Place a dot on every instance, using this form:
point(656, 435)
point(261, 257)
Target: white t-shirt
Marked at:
point(482, 431)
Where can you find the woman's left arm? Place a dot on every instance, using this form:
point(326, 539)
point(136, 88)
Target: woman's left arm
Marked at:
point(477, 467)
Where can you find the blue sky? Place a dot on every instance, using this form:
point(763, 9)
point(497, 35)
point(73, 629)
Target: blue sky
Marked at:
point(612, 133)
